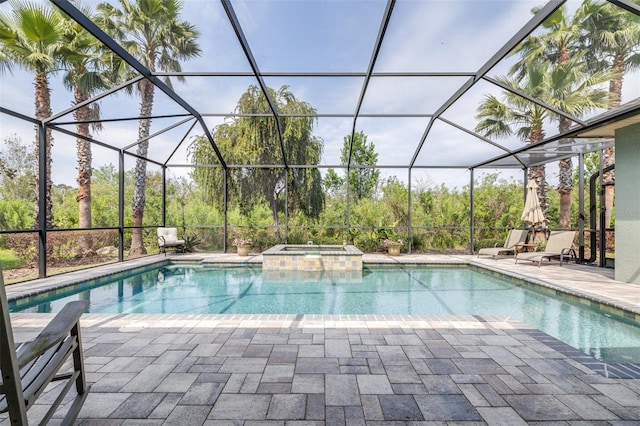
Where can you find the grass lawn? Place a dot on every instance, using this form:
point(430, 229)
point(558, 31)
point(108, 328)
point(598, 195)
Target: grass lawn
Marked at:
point(8, 260)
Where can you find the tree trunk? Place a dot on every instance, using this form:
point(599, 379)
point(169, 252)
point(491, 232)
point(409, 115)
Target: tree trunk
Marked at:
point(565, 184)
point(43, 110)
point(83, 147)
point(137, 242)
point(609, 190)
point(139, 200)
point(274, 212)
point(615, 91)
point(565, 208)
point(565, 187)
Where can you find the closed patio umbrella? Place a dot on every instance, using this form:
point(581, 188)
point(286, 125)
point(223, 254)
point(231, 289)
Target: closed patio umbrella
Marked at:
point(532, 214)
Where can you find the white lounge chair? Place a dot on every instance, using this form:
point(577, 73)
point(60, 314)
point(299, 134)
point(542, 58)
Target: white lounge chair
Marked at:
point(559, 244)
point(27, 371)
point(514, 237)
point(168, 238)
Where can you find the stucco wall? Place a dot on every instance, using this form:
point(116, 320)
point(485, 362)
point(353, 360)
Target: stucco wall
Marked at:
point(627, 210)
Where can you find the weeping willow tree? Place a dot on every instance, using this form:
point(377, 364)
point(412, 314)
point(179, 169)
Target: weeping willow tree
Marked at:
point(251, 138)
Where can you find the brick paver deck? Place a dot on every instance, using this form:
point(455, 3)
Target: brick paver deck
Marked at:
point(352, 370)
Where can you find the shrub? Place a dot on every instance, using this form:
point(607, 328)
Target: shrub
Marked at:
point(24, 246)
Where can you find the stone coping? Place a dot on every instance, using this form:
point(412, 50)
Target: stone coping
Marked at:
point(300, 249)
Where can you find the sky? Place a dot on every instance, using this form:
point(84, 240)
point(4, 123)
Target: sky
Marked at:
point(323, 36)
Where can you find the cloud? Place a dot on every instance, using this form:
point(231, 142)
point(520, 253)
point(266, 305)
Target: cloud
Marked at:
point(449, 35)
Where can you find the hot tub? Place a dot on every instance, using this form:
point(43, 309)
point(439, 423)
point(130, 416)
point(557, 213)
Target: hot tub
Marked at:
point(312, 257)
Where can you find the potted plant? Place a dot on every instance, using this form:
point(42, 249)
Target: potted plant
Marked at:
point(191, 242)
point(243, 245)
point(392, 246)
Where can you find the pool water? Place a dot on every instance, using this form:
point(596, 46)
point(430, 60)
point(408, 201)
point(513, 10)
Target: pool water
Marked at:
point(399, 290)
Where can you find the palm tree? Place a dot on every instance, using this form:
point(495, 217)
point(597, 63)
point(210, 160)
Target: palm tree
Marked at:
point(564, 38)
point(515, 115)
point(614, 37)
point(31, 38)
point(152, 32)
point(84, 77)
point(562, 47)
point(576, 92)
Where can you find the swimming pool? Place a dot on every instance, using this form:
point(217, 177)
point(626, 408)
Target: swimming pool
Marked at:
point(384, 290)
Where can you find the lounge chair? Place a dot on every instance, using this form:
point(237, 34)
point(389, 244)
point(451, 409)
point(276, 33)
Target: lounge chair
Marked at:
point(559, 245)
point(168, 238)
point(27, 371)
point(514, 237)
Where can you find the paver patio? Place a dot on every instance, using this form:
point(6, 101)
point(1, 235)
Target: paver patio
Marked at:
point(348, 369)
